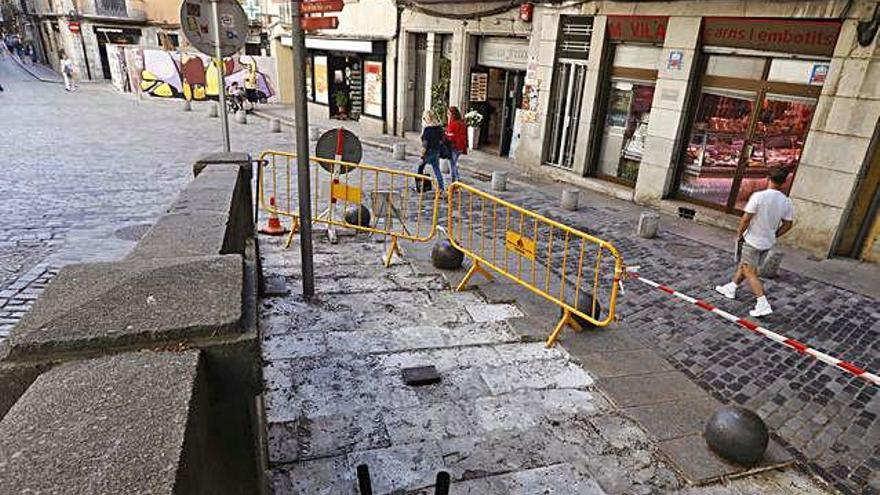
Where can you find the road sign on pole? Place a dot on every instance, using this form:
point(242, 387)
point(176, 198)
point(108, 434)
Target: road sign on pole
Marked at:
point(314, 23)
point(322, 6)
point(73, 26)
point(301, 116)
point(216, 28)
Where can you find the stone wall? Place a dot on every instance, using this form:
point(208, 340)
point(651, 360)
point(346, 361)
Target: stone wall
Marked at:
point(142, 375)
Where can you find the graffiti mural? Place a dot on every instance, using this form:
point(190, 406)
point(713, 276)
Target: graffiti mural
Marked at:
point(167, 74)
point(194, 77)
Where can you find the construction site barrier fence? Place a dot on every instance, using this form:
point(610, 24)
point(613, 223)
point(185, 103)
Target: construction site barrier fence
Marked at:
point(376, 200)
point(576, 271)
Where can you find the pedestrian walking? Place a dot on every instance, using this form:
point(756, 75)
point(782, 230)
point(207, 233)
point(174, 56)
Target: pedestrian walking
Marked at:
point(432, 143)
point(456, 137)
point(67, 72)
point(769, 214)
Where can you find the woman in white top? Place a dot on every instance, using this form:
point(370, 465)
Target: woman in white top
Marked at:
point(67, 72)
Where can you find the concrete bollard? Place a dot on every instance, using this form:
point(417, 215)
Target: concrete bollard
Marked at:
point(444, 165)
point(274, 125)
point(187, 106)
point(213, 113)
point(499, 181)
point(770, 267)
point(241, 117)
point(570, 199)
point(398, 151)
point(649, 224)
point(314, 133)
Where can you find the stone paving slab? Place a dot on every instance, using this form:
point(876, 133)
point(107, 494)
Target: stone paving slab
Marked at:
point(628, 391)
point(669, 420)
point(623, 363)
point(699, 465)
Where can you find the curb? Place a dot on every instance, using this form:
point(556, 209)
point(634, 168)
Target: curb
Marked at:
point(25, 68)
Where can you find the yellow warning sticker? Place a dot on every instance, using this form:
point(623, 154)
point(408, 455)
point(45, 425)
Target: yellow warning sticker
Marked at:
point(520, 244)
point(343, 192)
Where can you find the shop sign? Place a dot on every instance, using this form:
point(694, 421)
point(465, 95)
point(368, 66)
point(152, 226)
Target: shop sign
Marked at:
point(807, 37)
point(479, 86)
point(321, 6)
point(648, 29)
point(373, 88)
point(504, 53)
point(322, 85)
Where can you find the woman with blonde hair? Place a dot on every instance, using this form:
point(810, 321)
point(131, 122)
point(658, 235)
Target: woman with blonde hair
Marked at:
point(433, 140)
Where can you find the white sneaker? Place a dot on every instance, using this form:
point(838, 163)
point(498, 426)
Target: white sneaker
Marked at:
point(762, 308)
point(726, 290)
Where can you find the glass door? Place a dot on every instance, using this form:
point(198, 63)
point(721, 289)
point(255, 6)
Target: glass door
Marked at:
point(565, 106)
point(626, 127)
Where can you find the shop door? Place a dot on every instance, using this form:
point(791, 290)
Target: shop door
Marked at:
point(565, 110)
point(743, 128)
point(417, 80)
point(513, 87)
point(860, 237)
point(116, 36)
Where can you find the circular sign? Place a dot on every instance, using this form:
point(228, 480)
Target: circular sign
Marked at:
point(73, 26)
point(197, 23)
point(347, 145)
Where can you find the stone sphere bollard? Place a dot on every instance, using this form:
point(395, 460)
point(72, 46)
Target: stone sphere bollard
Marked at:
point(274, 125)
point(357, 215)
point(737, 434)
point(241, 117)
point(213, 113)
point(445, 256)
point(444, 165)
point(585, 305)
point(314, 133)
point(649, 224)
point(398, 151)
point(499, 181)
point(187, 106)
point(570, 199)
point(770, 267)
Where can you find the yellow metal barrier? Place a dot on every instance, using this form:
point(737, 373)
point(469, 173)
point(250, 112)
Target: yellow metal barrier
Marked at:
point(398, 207)
point(554, 261)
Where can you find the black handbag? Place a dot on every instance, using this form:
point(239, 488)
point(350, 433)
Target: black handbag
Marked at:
point(445, 149)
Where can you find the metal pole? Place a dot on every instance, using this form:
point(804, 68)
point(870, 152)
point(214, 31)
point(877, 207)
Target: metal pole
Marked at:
point(301, 116)
point(224, 122)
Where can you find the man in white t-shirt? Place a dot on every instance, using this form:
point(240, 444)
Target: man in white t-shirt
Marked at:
point(768, 215)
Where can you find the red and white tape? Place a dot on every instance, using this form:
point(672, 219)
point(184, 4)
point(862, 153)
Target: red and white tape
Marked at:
point(798, 346)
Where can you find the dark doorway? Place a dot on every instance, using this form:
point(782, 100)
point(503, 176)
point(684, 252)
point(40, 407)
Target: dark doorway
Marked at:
point(513, 88)
point(118, 36)
point(417, 80)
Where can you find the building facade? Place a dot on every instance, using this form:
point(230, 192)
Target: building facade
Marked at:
point(681, 105)
point(350, 71)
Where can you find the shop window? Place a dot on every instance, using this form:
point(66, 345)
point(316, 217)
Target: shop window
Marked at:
point(745, 126)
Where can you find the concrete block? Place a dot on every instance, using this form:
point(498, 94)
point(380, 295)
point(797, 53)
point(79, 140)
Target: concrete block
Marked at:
point(213, 112)
point(398, 151)
point(241, 117)
point(131, 423)
point(499, 181)
point(570, 199)
point(187, 106)
point(185, 234)
point(97, 306)
point(274, 125)
point(649, 224)
point(14, 380)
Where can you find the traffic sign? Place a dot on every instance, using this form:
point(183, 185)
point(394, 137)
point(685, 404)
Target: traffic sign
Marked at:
point(321, 6)
point(198, 26)
point(314, 23)
point(73, 26)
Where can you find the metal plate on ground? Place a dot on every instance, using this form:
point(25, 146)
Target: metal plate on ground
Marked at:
point(420, 375)
point(275, 286)
point(330, 142)
point(493, 312)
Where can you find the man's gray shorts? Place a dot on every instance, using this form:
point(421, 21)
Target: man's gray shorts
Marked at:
point(752, 256)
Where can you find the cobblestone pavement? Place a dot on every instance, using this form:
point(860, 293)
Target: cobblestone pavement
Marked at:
point(508, 416)
point(85, 173)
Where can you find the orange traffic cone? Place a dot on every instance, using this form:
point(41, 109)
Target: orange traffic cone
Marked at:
point(274, 226)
